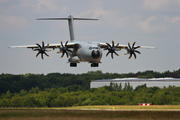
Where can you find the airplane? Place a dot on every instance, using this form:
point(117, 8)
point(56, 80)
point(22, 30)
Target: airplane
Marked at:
point(81, 51)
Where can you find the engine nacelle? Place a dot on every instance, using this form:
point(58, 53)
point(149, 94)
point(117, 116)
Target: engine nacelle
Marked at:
point(74, 59)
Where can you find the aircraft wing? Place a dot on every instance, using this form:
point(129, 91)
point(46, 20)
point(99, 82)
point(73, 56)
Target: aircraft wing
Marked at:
point(120, 46)
point(112, 48)
point(52, 46)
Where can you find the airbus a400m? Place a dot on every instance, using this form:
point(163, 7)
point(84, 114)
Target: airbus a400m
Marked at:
point(80, 51)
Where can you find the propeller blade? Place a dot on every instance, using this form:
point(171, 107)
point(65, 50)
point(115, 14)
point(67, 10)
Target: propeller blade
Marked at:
point(70, 51)
point(133, 44)
point(137, 51)
point(47, 45)
point(42, 56)
point(37, 54)
point(105, 48)
point(112, 43)
point(66, 43)
point(117, 44)
point(116, 53)
point(59, 52)
point(42, 44)
point(134, 55)
point(137, 47)
point(107, 53)
point(67, 54)
point(38, 45)
point(129, 45)
point(130, 56)
point(36, 49)
point(62, 44)
point(112, 55)
point(109, 45)
point(62, 55)
point(46, 54)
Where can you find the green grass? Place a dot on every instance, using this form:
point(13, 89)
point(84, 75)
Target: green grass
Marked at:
point(127, 107)
point(111, 107)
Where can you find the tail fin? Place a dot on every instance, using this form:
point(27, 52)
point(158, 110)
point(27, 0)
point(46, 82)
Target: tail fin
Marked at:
point(70, 23)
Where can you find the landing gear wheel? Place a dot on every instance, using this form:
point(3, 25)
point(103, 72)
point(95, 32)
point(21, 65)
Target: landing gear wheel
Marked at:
point(94, 64)
point(73, 64)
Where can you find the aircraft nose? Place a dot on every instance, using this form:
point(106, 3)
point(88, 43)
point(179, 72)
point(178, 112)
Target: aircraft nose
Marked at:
point(95, 54)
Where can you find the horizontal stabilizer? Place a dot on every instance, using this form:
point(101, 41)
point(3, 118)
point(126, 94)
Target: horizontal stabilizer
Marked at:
point(65, 19)
point(70, 22)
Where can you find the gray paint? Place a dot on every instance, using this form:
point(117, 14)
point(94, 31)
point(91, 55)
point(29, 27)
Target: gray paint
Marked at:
point(135, 82)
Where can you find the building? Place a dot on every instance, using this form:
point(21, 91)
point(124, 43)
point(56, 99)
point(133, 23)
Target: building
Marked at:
point(134, 82)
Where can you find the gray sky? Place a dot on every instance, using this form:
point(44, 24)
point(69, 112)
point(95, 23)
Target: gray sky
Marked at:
point(148, 22)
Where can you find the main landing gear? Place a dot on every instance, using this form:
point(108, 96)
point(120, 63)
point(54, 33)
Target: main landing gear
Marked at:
point(94, 64)
point(73, 64)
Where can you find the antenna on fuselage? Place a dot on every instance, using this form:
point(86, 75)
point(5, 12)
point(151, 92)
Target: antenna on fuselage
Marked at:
point(70, 23)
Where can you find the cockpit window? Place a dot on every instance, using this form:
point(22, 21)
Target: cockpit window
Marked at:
point(93, 48)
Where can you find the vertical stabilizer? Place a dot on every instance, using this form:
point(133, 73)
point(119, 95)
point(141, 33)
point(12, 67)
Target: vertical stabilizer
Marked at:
point(70, 23)
point(71, 28)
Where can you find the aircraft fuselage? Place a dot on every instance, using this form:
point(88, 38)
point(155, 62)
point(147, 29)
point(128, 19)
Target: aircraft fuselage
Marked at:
point(86, 52)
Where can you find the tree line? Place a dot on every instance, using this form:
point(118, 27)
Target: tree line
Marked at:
point(113, 94)
point(62, 90)
point(16, 83)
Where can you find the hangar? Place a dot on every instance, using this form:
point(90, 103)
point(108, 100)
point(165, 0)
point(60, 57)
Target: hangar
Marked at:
point(134, 82)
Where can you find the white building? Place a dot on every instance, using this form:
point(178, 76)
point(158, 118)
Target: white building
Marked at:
point(134, 82)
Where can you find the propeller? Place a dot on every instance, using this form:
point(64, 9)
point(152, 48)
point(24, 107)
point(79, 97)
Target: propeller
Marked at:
point(112, 49)
point(64, 49)
point(131, 50)
point(42, 50)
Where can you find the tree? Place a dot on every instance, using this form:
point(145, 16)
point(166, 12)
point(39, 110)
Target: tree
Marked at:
point(125, 87)
point(5, 102)
point(57, 103)
point(120, 87)
point(16, 101)
point(140, 87)
point(23, 92)
point(8, 95)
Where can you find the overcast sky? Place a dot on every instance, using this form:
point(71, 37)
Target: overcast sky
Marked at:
point(148, 22)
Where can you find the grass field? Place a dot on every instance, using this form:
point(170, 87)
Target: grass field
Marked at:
point(129, 107)
point(99, 113)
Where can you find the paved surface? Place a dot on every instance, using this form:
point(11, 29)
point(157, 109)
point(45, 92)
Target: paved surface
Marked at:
point(126, 109)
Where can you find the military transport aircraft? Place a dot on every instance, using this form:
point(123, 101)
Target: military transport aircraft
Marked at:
point(81, 51)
